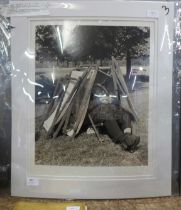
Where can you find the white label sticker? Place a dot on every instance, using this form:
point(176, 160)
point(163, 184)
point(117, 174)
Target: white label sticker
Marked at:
point(73, 208)
point(32, 181)
point(20, 8)
point(28, 4)
point(153, 13)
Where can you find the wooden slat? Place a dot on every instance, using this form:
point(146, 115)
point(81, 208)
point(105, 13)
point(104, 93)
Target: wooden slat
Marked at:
point(69, 111)
point(85, 101)
point(95, 129)
point(56, 132)
point(106, 74)
point(114, 81)
point(123, 83)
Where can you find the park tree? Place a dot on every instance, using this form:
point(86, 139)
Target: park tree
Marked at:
point(94, 42)
point(47, 45)
point(131, 42)
point(125, 42)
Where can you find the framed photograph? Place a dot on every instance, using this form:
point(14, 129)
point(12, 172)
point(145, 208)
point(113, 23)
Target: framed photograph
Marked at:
point(92, 101)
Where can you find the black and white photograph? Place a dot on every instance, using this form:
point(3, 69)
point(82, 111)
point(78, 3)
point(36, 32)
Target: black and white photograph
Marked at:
point(91, 95)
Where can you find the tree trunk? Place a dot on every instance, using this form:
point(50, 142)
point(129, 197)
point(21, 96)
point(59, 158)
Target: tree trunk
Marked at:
point(128, 65)
point(101, 62)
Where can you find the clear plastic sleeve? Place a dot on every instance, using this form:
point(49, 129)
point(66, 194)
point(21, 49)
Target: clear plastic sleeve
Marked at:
point(92, 90)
